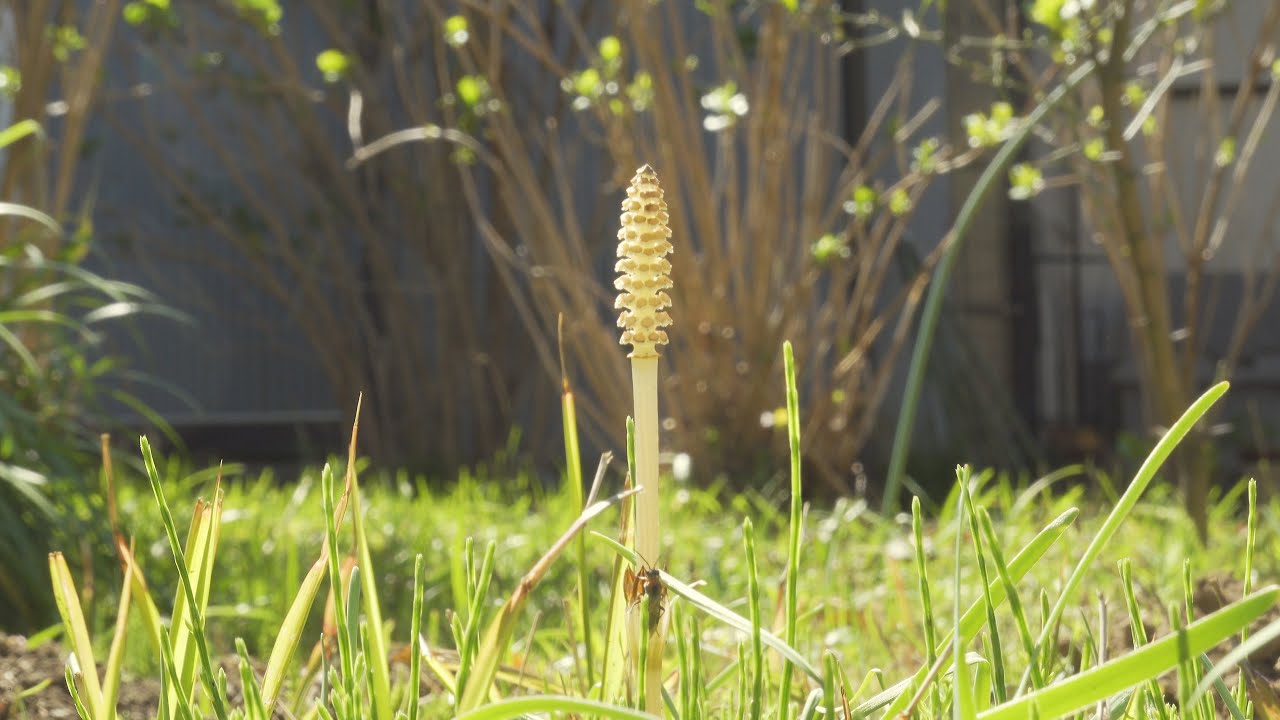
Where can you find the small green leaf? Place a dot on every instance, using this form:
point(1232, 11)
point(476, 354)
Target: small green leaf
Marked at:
point(923, 156)
point(266, 14)
point(1094, 148)
point(66, 40)
point(10, 80)
point(610, 48)
point(1226, 153)
point(1049, 14)
point(862, 201)
point(472, 89)
point(640, 91)
point(456, 31)
point(587, 83)
point(899, 202)
point(19, 130)
point(1025, 181)
point(1134, 94)
point(334, 64)
point(828, 248)
point(136, 13)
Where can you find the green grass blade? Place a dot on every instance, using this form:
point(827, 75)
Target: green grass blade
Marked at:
point(573, 476)
point(615, 646)
point(377, 657)
point(295, 619)
point(497, 638)
point(76, 699)
point(77, 634)
point(559, 704)
point(996, 652)
point(962, 690)
point(1228, 698)
point(345, 652)
point(938, 286)
point(1101, 682)
point(1125, 504)
point(30, 213)
point(1011, 593)
point(18, 131)
point(926, 598)
point(415, 630)
point(479, 585)
point(253, 705)
point(1236, 656)
point(796, 525)
point(755, 709)
point(115, 656)
point(719, 612)
point(189, 591)
point(971, 623)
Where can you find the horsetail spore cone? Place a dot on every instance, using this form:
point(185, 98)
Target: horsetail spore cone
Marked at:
point(643, 242)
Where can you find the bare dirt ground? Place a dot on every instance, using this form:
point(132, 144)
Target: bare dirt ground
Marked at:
point(23, 670)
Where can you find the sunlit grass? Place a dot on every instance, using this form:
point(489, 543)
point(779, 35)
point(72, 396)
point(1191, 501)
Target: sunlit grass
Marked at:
point(876, 601)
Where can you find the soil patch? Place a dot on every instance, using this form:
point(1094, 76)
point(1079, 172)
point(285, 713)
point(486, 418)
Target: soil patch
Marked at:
point(33, 684)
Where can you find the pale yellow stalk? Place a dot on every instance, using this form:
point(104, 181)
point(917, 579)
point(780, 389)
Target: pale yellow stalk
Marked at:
point(643, 243)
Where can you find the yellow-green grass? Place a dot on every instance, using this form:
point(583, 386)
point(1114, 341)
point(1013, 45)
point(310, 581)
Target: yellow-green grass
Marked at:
point(858, 625)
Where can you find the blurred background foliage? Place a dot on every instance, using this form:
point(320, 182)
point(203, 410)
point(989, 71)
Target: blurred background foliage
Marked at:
point(432, 274)
point(59, 387)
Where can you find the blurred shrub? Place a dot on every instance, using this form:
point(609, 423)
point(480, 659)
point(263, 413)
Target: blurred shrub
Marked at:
point(1166, 143)
point(535, 116)
point(787, 225)
point(57, 386)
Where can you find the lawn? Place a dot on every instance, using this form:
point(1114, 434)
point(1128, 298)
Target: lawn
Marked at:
point(490, 577)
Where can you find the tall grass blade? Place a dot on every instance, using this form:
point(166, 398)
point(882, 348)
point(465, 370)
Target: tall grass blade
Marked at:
point(1011, 593)
point(900, 694)
point(573, 476)
point(415, 631)
point(115, 656)
point(1237, 656)
point(718, 611)
point(295, 619)
point(962, 709)
point(497, 638)
point(30, 213)
point(796, 526)
point(615, 647)
point(926, 598)
point(755, 707)
point(141, 595)
point(995, 651)
point(77, 634)
point(938, 286)
point(253, 706)
point(1080, 691)
point(1125, 504)
point(377, 657)
point(560, 704)
point(19, 130)
point(190, 593)
point(346, 670)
